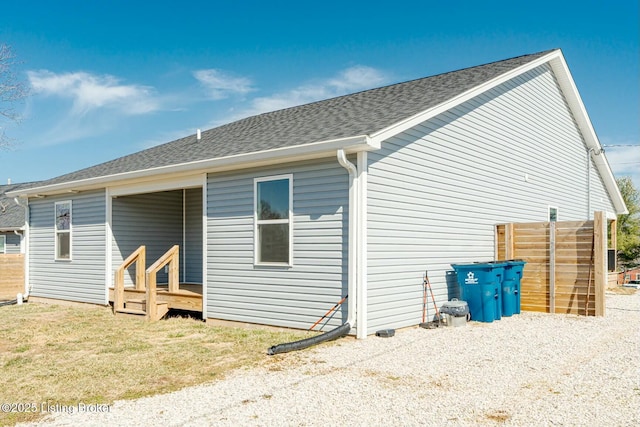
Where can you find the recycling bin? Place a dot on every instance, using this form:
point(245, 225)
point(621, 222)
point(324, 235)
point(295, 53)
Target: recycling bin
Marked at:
point(481, 287)
point(511, 286)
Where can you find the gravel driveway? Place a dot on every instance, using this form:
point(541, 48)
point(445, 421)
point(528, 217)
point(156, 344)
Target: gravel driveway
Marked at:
point(529, 369)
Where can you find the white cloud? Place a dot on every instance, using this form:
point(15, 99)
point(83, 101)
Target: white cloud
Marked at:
point(221, 85)
point(90, 92)
point(357, 78)
point(624, 160)
point(350, 80)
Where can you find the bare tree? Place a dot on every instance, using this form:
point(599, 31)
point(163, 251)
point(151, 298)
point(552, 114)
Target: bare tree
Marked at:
point(12, 91)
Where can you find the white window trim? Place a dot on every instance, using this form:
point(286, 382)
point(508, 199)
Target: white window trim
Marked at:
point(549, 207)
point(256, 222)
point(3, 246)
point(70, 231)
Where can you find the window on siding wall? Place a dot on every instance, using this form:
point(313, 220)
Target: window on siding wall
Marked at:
point(273, 222)
point(3, 244)
point(63, 230)
point(553, 214)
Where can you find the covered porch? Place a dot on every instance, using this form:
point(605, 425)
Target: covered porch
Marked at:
point(156, 249)
point(148, 298)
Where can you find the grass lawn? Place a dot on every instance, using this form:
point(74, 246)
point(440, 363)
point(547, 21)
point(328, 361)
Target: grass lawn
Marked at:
point(66, 355)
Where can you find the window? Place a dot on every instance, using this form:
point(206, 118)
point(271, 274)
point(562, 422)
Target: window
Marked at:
point(63, 230)
point(273, 223)
point(553, 214)
point(3, 244)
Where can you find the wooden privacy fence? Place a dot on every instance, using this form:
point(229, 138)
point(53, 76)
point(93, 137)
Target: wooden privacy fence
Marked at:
point(566, 270)
point(11, 275)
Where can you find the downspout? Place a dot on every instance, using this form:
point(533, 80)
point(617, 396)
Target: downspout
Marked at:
point(25, 237)
point(352, 237)
point(343, 329)
point(361, 262)
point(596, 152)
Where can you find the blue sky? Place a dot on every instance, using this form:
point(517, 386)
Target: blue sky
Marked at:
point(111, 78)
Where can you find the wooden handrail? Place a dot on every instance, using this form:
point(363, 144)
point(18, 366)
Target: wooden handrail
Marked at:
point(139, 257)
point(171, 257)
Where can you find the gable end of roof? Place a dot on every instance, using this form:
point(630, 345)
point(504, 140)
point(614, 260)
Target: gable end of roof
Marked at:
point(359, 121)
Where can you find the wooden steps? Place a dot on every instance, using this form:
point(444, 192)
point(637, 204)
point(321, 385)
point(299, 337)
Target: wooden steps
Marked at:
point(136, 304)
point(162, 308)
point(189, 296)
point(153, 306)
point(138, 307)
point(130, 312)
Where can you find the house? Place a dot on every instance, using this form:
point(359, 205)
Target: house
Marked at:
point(278, 216)
point(629, 277)
point(12, 222)
point(12, 243)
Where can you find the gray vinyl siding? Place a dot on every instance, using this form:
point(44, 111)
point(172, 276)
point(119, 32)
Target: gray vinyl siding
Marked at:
point(81, 279)
point(193, 235)
point(600, 199)
point(436, 191)
point(153, 220)
point(12, 243)
point(294, 296)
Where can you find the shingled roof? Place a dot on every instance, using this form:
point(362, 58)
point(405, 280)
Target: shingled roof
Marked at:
point(11, 214)
point(361, 113)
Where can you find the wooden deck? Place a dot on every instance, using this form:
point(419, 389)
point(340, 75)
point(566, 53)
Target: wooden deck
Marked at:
point(148, 298)
point(188, 297)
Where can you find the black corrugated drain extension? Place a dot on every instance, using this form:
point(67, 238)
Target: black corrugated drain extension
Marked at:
point(333, 334)
point(12, 302)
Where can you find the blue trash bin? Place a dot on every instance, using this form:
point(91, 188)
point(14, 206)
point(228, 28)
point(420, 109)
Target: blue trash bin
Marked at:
point(511, 287)
point(480, 285)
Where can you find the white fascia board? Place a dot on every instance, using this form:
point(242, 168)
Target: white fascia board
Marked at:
point(416, 119)
point(11, 229)
point(571, 94)
point(239, 161)
point(155, 184)
point(610, 183)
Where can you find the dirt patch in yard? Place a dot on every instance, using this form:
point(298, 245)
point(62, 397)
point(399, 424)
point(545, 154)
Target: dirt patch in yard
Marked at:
point(70, 355)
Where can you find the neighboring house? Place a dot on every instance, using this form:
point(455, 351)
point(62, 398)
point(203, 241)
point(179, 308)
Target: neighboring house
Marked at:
point(12, 222)
point(629, 277)
point(280, 215)
point(12, 244)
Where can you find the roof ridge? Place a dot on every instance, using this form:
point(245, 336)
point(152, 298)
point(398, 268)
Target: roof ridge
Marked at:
point(346, 95)
point(366, 112)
